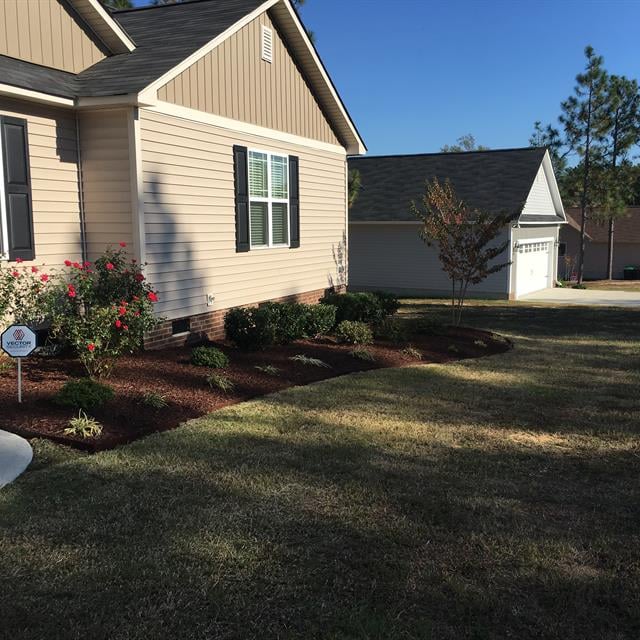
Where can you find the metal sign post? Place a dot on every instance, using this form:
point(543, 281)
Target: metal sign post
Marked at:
point(18, 341)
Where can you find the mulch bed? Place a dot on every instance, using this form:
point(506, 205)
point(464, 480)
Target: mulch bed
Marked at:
point(184, 386)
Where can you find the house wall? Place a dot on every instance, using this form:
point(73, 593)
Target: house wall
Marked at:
point(54, 179)
point(392, 257)
point(233, 81)
point(47, 32)
point(189, 215)
point(596, 256)
point(106, 178)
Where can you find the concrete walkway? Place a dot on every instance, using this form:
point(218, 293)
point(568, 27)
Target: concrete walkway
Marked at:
point(590, 297)
point(15, 456)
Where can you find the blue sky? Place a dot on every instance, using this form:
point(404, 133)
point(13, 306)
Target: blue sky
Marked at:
point(417, 74)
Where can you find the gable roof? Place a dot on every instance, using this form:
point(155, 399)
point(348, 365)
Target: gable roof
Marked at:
point(497, 181)
point(167, 37)
point(627, 228)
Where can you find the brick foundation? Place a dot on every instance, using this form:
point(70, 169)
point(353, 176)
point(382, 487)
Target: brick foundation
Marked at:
point(210, 326)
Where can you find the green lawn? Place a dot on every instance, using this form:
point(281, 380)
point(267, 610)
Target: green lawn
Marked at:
point(495, 498)
point(613, 285)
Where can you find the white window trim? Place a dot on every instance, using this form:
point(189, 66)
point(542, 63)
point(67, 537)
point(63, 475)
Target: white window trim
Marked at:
point(4, 223)
point(270, 201)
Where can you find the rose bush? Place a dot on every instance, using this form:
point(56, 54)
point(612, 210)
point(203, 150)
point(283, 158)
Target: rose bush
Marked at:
point(102, 310)
point(23, 292)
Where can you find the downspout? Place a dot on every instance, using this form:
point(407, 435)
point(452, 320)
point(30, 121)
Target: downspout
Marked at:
point(83, 225)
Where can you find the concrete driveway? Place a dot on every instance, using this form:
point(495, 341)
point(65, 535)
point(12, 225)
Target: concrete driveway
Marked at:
point(15, 456)
point(590, 297)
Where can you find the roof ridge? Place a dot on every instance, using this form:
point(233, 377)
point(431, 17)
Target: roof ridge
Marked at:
point(447, 153)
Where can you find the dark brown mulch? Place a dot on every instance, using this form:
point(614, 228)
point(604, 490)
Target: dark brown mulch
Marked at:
point(184, 386)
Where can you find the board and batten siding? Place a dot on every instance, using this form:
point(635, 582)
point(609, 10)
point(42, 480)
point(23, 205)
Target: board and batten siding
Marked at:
point(392, 257)
point(48, 33)
point(539, 200)
point(106, 178)
point(54, 179)
point(189, 212)
point(233, 81)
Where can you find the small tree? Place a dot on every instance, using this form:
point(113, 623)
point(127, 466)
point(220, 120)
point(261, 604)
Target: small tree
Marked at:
point(355, 182)
point(467, 239)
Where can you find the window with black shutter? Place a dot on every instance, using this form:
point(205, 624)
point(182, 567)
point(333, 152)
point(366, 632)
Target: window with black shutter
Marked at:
point(16, 205)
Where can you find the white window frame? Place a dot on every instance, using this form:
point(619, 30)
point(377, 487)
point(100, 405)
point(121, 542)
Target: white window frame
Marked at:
point(270, 201)
point(4, 223)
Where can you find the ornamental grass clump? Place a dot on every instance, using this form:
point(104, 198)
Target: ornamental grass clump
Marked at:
point(83, 426)
point(102, 310)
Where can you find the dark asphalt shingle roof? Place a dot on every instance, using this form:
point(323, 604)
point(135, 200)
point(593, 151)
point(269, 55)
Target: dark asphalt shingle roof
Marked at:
point(496, 181)
point(627, 227)
point(164, 37)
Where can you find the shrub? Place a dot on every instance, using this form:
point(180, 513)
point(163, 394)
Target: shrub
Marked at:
point(251, 328)
point(412, 353)
point(289, 318)
point(269, 369)
point(154, 400)
point(23, 293)
point(358, 307)
point(579, 286)
point(209, 357)
point(353, 332)
point(320, 319)
point(312, 362)
point(85, 394)
point(84, 426)
point(392, 329)
point(102, 310)
point(429, 327)
point(389, 303)
point(220, 381)
point(362, 354)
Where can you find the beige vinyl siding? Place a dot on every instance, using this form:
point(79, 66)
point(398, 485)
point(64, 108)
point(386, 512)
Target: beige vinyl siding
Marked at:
point(392, 257)
point(189, 211)
point(233, 81)
point(106, 177)
point(539, 201)
point(54, 179)
point(48, 33)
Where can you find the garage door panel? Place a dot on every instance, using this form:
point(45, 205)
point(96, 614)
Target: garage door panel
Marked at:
point(532, 266)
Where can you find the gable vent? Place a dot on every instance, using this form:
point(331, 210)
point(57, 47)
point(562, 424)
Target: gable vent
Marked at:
point(267, 44)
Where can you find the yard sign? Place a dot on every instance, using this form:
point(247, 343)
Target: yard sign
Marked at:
point(18, 341)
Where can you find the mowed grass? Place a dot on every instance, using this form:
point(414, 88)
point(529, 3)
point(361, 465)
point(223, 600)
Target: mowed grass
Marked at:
point(613, 285)
point(494, 498)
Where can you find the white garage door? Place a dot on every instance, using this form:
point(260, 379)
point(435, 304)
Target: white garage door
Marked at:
point(532, 267)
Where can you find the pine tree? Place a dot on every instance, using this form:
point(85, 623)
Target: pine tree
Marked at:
point(466, 142)
point(622, 121)
point(583, 118)
point(550, 137)
point(118, 4)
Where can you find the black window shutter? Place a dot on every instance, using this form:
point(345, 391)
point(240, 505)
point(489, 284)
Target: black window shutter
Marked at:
point(241, 178)
point(294, 202)
point(17, 188)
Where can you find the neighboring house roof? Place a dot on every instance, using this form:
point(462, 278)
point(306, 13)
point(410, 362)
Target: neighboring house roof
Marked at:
point(167, 36)
point(497, 181)
point(626, 231)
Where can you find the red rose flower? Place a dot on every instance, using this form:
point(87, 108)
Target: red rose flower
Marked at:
point(44, 277)
point(67, 263)
point(136, 314)
point(34, 269)
point(76, 265)
point(109, 266)
point(72, 291)
point(135, 298)
point(123, 244)
point(125, 327)
point(86, 264)
point(15, 274)
point(139, 277)
point(91, 347)
point(152, 296)
point(118, 324)
point(19, 260)
point(122, 311)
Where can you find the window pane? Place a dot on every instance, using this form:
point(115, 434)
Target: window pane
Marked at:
point(280, 221)
point(279, 177)
point(258, 174)
point(259, 222)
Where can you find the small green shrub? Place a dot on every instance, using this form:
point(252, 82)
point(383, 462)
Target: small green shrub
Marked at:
point(209, 357)
point(290, 319)
point(353, 332)
point(320, 319)
point(389, 303)
point(154, 400)
point(362, 354)
point(312, 362)
point(85, 394)
point(221, 382)
point(579, 286)
point(251, 328)
point(84, 426)
point(392, 329)
point(412, 353)
point(269, 369)
point(429, 327)
point(358, 307)
point(480, 343)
